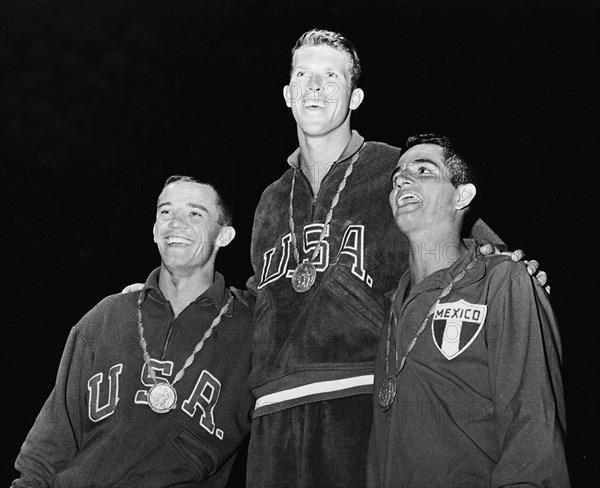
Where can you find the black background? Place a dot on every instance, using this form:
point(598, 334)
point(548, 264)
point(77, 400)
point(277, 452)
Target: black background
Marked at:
point(101, 101)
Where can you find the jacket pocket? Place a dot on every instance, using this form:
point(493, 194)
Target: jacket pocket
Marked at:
point(203, 456)
point(357, 297)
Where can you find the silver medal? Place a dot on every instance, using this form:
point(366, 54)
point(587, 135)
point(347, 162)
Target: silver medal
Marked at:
point(162, 397)
point(304, 277)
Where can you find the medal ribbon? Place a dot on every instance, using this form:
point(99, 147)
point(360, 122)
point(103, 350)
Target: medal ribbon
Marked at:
point(196, 350)
point(334, 202)
point(411, 345)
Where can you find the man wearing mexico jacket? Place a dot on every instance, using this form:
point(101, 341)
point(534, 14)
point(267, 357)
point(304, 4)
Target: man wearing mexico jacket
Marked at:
point(468, 388)
point(151, 386)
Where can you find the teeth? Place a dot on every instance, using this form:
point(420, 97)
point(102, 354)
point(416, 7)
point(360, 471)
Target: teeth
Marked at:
point(409, 196)
point(178, 240)
point(314, 103)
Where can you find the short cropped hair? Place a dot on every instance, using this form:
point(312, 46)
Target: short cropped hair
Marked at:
point(459, 170)
point(225, 216)
point(321, 37)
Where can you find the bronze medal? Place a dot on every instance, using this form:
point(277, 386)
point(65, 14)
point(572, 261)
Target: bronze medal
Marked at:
point(304, 277)
point(162, 397)
point(387, 393)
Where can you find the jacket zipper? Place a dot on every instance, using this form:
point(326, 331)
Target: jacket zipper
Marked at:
point(315, 196)
point(171, 327)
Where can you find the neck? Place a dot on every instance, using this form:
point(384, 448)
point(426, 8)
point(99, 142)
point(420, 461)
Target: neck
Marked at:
point(320, 152)
point(432, 251)
point(182, 287)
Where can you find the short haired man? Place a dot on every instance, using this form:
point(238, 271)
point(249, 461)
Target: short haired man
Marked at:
point(325, 249)
point(151, 386)
point(468, 389)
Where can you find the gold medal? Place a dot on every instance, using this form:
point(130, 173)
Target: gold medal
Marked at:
point(304, 277)
point(387, 393)
point(162, 397)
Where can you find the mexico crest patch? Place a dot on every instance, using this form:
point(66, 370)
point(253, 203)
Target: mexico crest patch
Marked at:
point(456, 325)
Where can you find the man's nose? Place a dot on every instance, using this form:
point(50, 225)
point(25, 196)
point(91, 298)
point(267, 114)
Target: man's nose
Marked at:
point(315, 82)
point(404, 178)
point(178, 221)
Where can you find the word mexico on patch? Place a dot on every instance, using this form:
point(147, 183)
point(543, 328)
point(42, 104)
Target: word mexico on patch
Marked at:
point(456, 325)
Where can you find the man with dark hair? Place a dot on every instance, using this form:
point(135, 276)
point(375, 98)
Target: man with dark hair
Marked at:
point(468, 388)
point(459, 171)
point(325, 249)
point(151, 389)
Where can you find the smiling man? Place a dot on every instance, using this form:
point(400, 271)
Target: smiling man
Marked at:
point(151, 389)
point(468, 388)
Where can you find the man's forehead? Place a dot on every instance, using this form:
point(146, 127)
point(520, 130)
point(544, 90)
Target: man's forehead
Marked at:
point(321, 54)
point(189, 192)
point(421, 152)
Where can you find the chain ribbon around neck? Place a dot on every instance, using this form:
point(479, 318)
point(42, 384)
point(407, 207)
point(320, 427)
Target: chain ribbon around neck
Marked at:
point(196, 350)
point(334, 202)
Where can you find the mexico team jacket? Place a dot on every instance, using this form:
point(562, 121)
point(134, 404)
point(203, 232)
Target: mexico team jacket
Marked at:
point(480, 399)
point(97, 429)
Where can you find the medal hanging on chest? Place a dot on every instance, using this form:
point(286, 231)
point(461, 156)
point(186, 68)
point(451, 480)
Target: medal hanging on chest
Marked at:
point(162, 396)
point(303, 277)
point(305, 274)
point(389, 387)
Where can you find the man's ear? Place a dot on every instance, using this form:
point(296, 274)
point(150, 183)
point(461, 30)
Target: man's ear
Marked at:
point(356, 98)
point(226, 235)
point(154, 233)
point(464, 195)
point(288, 94)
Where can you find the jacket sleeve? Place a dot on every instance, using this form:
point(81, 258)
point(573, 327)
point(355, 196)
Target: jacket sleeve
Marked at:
point(525, 359)
point(54, 438)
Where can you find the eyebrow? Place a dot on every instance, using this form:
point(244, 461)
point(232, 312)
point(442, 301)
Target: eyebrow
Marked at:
point(198, 206)
point(419, 160)
point(192, 205)
point(330, 67)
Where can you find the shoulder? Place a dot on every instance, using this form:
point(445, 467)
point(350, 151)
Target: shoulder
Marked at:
point(378, 159)
point(110, 311)
point(382, 151)
point(281, 183)
point(506, 272)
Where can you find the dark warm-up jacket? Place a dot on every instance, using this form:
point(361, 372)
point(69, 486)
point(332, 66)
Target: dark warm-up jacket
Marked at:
point(480, 399)
point(97, 429)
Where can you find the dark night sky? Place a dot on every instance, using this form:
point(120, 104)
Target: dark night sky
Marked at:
point(101, 101)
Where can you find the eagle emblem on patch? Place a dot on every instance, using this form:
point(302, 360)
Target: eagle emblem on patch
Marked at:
point(456, 325)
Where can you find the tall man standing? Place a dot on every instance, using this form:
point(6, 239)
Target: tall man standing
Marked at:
point(467, 381)
point(325, 249)
point(151, 389)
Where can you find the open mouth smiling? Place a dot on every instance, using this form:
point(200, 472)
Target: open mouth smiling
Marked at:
point(313, 104)
point(407, 198)
point(178, 241)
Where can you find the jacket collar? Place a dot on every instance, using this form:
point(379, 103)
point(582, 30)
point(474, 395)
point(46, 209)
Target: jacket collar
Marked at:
point(354, 144)
point(442, 278)
point(216, 294)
